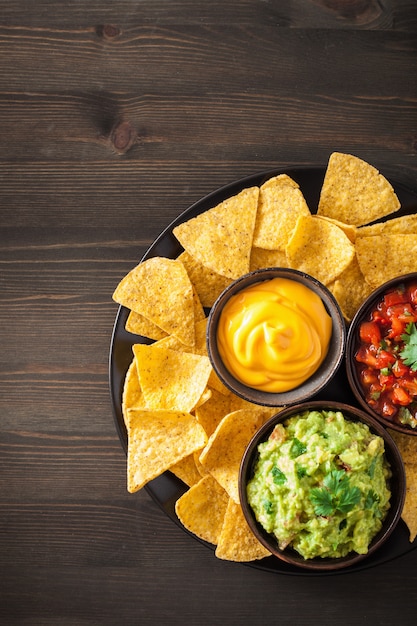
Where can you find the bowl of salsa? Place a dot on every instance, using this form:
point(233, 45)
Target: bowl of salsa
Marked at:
point(322, 485)
point(381, 354)
point(276, 337)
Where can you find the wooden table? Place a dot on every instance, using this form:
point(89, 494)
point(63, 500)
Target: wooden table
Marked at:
point(115, 117)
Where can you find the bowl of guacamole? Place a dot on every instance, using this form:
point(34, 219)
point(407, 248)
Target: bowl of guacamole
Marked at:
point(322, 485)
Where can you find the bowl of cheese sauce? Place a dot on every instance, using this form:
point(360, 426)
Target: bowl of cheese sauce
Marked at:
point(276, 336)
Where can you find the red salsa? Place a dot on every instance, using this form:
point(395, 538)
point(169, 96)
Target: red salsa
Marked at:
point(387, 356)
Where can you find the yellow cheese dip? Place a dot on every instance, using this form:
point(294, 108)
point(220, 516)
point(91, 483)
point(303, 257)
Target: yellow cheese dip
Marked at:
point(274, 335)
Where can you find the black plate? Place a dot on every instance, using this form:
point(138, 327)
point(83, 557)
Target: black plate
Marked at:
point(166, 489)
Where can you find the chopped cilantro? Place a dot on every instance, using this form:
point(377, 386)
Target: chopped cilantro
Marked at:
point(297, 448)
point(370, 499)
point(409, 352)
point(335, 495)
point(406, 417)
point(278, 476)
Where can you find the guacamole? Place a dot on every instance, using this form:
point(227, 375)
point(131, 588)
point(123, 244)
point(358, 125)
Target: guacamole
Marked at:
point(321, 485)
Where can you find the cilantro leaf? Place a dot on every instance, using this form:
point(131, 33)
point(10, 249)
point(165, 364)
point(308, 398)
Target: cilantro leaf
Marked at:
point(335, 495)
point(278, 476)
point(409, 352)
point(297, 448)
point(348, 498)
point(322, 500)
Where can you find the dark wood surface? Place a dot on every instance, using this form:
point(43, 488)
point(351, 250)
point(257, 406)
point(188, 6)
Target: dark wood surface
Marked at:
point(114, 118)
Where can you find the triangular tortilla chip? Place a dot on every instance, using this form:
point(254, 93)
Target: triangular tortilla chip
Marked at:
point(354, 192)
point(132, 396)
point(383, 257)
point(225, 447)
point(160, 290)
point(280, 203)
point(350, 289)
point(202, 508)
point(221, 238)
point(139, 325)
point(237, 542)
point(320, 248)
point(156, 441)
point(171, 379)
point(207, 283)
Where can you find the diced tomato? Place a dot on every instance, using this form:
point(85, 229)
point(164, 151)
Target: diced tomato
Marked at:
point(369, 376)
point(411, 386)
point(399, 369)
point(386, 380)
point(400, 396)
point(412, 293)
point(384, 359)
point(370, 332)
point(395, 297)
point(388, 409)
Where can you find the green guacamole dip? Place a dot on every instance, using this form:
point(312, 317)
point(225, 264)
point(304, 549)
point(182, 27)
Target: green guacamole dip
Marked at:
point(321, 485)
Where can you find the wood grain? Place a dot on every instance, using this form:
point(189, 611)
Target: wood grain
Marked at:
point(114, 118)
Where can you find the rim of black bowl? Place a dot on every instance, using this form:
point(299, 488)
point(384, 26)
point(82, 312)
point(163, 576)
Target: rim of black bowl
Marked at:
point(397, 486)
point(319, 379)
point(352, 343)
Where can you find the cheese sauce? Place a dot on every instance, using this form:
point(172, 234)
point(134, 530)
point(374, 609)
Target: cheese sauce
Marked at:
point(274, 335)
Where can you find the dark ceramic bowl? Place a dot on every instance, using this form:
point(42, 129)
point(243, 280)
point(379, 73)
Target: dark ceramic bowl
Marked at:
point(317, 381)
point(397, 487)
point(353, 342)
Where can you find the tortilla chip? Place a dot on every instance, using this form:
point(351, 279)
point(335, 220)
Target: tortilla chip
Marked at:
point(405, 224)
point(139, 325)
point(383, 257)
point(208, 284)
point(349, 230)
point(160, 290)
point(210, 414)
point(156, 441)
point(225, 447)
point(261, 258)
point(407, 446)
point(186, 470)
point(280, 204)
point(350, 289)
point(236, 541)
point(202, 508)
point(171, 379)
point(132, 396)
point(354, 192)
point(319, 248)
point(221, 238)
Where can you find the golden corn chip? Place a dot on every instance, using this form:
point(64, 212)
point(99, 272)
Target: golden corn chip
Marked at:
point(132, 396)
point(211, 413)
point(407, 446)
point(221, 238)
point(225, 447)
point(350, 289)
point(160, 290)
point(156, 441)
point(208, 284)
point(280, 204)
point(236, 541)
point(261, 258)
point(202, 508)
point(405, 224)
point(171, 379)
point(186, 470)
point(349, 229)
point(139, 325)
point(383, 257)
point(319, 248)
point(354, 192)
